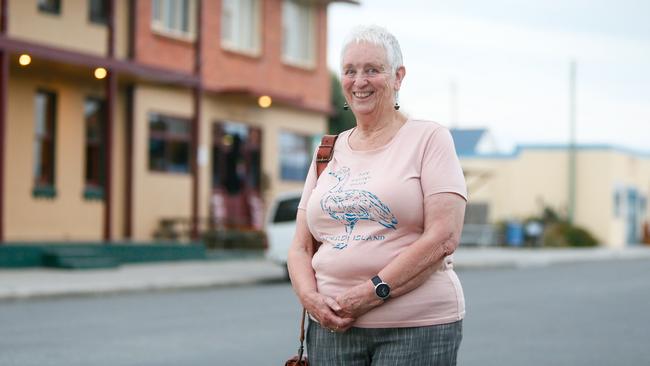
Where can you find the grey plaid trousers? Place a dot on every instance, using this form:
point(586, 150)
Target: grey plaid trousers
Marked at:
point(435, 345)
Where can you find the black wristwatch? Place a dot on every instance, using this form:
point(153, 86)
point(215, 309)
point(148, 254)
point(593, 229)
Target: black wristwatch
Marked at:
point(382, 290)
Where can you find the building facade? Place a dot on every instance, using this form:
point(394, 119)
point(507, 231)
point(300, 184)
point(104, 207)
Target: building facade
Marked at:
point(609, 197)
point(117, 115)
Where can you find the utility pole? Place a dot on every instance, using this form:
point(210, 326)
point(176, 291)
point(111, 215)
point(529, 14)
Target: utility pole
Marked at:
point(572, 141)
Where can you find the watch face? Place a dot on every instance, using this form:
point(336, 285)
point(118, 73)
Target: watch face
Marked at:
point(382, 290)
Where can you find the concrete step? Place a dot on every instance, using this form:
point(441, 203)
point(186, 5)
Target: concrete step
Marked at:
point(79, 258)
point(84, 263)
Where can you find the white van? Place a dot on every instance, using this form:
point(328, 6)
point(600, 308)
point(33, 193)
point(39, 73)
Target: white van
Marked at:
point(280, 227)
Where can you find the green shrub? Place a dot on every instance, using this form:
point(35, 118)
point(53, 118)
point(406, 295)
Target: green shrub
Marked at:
point(563, 234)
point(580, 237)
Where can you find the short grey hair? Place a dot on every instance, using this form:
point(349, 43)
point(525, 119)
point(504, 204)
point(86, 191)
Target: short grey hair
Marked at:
point(379, 36)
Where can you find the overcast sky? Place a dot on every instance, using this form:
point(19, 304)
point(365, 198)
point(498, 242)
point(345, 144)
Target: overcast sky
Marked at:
point(510, 62)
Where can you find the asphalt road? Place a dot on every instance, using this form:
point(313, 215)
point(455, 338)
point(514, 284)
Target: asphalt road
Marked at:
point(584, 314)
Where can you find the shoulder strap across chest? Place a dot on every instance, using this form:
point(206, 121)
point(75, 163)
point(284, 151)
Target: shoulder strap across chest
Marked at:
point(325, 153)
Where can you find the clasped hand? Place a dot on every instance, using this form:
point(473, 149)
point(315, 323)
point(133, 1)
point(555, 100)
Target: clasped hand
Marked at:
point(338, 314)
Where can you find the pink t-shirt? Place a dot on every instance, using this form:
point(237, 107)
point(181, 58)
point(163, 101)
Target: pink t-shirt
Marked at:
point(368, 206)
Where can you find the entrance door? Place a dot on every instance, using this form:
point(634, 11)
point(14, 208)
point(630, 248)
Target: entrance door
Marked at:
point(236, 175)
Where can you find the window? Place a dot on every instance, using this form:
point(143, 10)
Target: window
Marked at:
point(44, 143)
point(617, 203)
point(174, 17)
point(49, 6)
point(169, 144)
point(295, 156)
point(287, 210)
point(94, 114)
point(240, 30)
point(98, 11)
point(298, 33)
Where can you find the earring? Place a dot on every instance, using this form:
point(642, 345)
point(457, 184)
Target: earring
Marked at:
point(396, 106)
point(346, 106)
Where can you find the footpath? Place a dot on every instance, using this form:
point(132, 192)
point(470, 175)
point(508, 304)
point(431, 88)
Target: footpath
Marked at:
point(18, 284)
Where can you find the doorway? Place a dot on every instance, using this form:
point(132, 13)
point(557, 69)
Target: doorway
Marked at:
point(236, 176)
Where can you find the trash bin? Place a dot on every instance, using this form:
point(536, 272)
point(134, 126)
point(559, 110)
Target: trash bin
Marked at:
point(514, 234)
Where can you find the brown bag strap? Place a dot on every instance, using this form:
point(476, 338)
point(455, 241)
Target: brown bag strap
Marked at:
point(323, 157)
point(325, 153)
point(301, 350)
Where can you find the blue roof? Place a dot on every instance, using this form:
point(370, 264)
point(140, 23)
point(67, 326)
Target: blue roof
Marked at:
point(466, 140)
point(560, 147)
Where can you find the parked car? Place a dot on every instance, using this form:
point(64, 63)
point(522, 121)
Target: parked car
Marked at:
point(280, 227)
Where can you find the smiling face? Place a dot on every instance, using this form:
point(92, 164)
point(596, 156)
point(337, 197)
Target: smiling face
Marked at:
point(368, 82)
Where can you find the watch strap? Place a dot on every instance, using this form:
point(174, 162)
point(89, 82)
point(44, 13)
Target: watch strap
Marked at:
point(376, 280)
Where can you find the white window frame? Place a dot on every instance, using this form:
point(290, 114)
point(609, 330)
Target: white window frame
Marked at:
point(245, 26)
point(296, 16)
point(166, 18)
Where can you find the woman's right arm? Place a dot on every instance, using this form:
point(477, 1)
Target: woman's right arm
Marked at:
point(303, 279)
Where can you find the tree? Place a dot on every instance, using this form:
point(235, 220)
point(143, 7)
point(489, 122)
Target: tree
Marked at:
point(340, 119)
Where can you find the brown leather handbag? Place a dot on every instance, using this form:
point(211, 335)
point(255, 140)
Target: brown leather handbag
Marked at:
point(323, 157)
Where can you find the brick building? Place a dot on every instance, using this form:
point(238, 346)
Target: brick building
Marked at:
point(115, 115)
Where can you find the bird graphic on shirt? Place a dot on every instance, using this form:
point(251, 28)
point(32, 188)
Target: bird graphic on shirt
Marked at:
point(348, 206)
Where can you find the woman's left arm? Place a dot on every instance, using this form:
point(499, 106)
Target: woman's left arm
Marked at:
point(443, 223)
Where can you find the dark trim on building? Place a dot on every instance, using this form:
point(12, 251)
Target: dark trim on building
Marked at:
point(128, 163)
point(4, 82)
point(278, 98)
point(4, 8)
point(145, 72)
point(194, 157)
point(196, 122)
point(4, 78)
point(110, 45)
point(111, 94)
point(129, 121)
point(133, 23)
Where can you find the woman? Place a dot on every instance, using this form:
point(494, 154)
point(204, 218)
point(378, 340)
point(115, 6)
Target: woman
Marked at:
point(388, 209)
